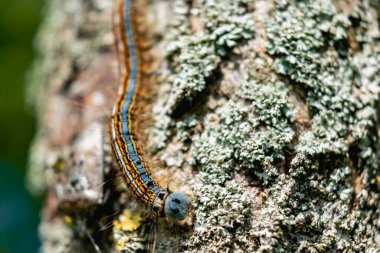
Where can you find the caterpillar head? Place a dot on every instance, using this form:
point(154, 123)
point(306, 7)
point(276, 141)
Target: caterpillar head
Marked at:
point(177, 206)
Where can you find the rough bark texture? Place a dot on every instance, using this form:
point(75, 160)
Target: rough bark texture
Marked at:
point(265, 112)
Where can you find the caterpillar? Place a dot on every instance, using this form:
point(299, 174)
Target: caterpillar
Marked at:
point(162, 201)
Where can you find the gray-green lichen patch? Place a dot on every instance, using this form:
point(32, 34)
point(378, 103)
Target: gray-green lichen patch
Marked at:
point(227, 23)
point(342, 86)
point(266, 183)
point(251, 132)
point(223, 215)
point(195, 57)
point(249, 136)
point(311, 46)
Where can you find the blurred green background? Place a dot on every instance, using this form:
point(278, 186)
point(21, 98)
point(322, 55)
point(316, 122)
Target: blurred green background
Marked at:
point(19, 211)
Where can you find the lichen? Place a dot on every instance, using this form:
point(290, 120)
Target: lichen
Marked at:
point(252, 132)
point(292, 181)
point(310, 42)
point(250, 135)
point(195, 57)
point(126, 236)
point(223, 212)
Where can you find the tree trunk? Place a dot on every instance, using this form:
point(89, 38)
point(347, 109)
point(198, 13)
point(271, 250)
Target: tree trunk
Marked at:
point(265, 112)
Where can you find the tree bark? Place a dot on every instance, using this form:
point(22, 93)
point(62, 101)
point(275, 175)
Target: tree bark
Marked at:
point(265, 112)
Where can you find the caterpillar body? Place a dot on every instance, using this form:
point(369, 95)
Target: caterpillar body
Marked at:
point(161, 201)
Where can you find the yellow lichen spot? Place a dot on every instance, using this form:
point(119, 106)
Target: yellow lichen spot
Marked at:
point(128, 221)
point(121, 244)
point(68, 220)
point(59, 165)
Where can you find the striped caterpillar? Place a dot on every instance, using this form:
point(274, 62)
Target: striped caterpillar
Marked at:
point(162, 201)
